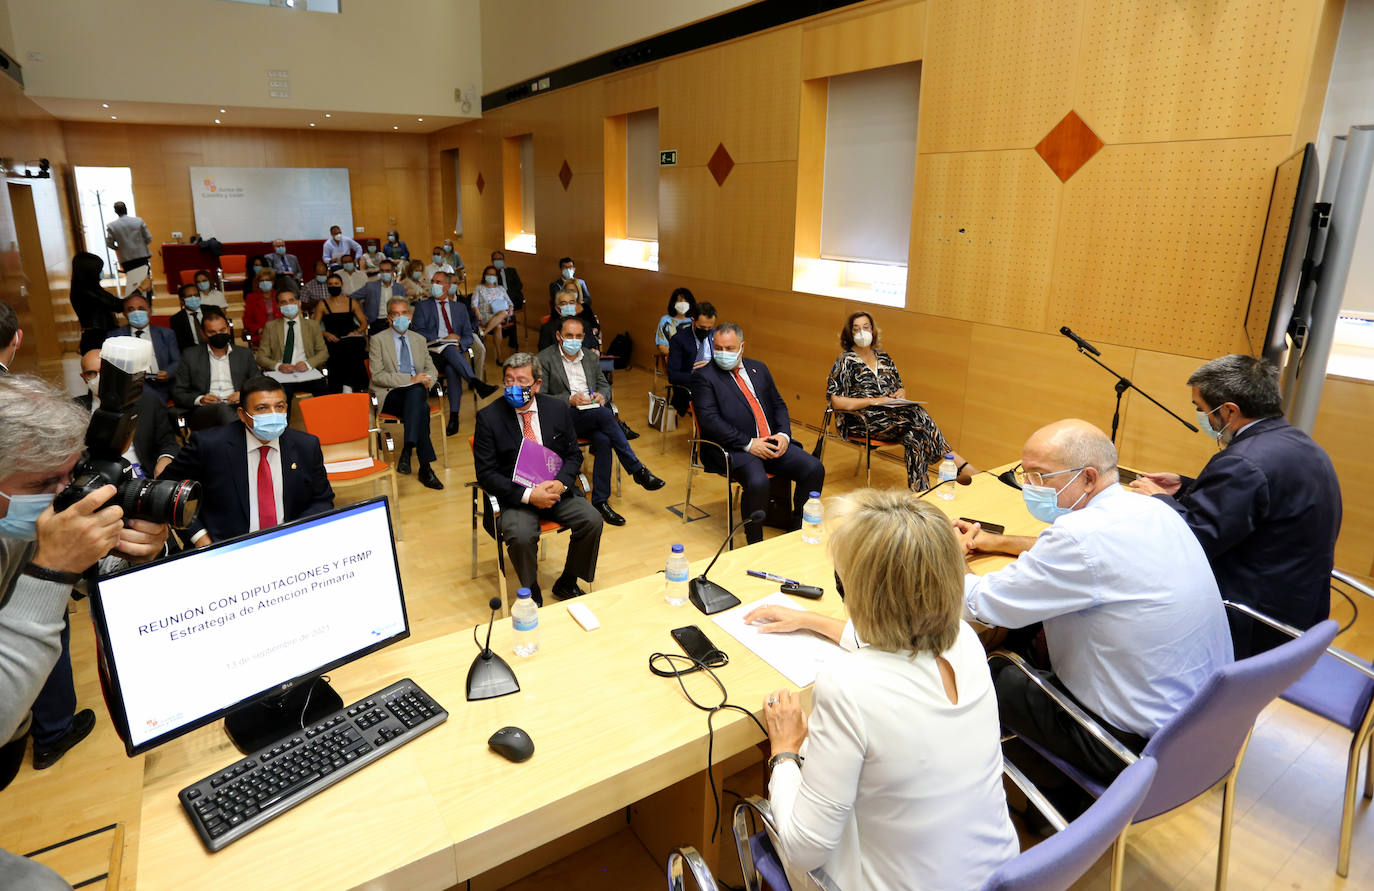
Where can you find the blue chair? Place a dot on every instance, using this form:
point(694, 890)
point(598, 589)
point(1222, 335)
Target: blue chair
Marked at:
point(1201, 747)
point(700, 872)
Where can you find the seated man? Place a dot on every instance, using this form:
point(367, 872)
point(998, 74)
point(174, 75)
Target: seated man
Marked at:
point(1267, 508)
point(254, 474)
point(439, 264)
point(186, 321)
point(402, 373)
point(210, 375)
point(1132, 620)
point(739, 407)
point(573, 374)
point(688, 350)
point(523, 414)
point(292, 351)
point(283, 263)
point(339, 248)
point(567, 275)
point(568, 304)
point(354, 279)
point(374, 296)
point(509, 278)
point(166, 355)
point(155, 439)
point(445, 325)
point(314, 291)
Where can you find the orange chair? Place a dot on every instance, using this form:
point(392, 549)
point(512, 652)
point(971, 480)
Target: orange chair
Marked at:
point(340, 422)
point(866, 444)
point(232, 268)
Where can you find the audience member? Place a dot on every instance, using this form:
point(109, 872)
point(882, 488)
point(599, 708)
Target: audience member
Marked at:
point(154, 444)
point(454, 261)
point(1132, 620)
point(509, 279)
point(739, 408)
point(864, 379)
point(568, 304)
point(354, 279)
point(437, 263)
point(374, 295)
point(338, 246)
point(902, 769)
point(567, 275)
point(396, 250)
point(260, 305)
point(526, 414)
point(572, 374)
point(372, 259)
point(254, 267)
point(689, 350)
point(186, 321)
point(492, 305)
point(210, 376)
point(209, 294)
point(443, 323)
point(345, 337)
point(283, 263)
point(416, 286)
point(402, 373)
point(132, 243)
point(166, 355)
point(1266, 508)
point(292, 350)
point(316, 289)
point(11, 335)
point(94, 306)
point(680, 303)
point(255, 474)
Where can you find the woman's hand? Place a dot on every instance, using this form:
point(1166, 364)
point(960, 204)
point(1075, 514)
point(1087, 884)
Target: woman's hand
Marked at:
point(785, 720)
point(900, 394)
point(777, 619)
point(330, 337)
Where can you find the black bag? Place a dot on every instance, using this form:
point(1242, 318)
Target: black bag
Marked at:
point(620, 348)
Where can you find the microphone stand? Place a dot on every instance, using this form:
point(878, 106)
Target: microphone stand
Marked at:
point(490, 675)
point(1122, 384)
point(705, 594)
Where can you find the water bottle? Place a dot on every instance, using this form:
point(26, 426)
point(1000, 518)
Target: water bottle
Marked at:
point(948, 473)
point(524, 617)
point(812, 513)
point(675, 574)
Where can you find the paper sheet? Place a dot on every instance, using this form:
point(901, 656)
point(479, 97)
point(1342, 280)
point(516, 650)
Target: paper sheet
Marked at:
point(895, 401)
point(345, 466)
point(294, 377)
point(798, 655)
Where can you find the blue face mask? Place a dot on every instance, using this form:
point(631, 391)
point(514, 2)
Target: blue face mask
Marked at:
point(438, 258)
point(289, 310)
point(401, 324)
point(567, 309)
point(386, 278)
point(436, 290)
point(281, 252)
point(269, 425)
point(453, 289)
point(348, 267)
point(499, 264)
point(139, 318)
point(725, 361)
point(572, 346)
point(1043, 501)
point(518, 396)
point(265, 286)
point(321, 278)
point(22, 519)
point(204, 286)
point(193, 303)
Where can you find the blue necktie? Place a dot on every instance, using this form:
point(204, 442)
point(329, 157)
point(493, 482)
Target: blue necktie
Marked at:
point(403, 351)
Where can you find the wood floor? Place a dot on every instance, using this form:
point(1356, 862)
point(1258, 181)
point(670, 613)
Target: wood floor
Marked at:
point(1287, 807)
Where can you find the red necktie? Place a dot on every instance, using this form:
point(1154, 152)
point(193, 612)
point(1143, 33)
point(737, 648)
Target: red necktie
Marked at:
point(443, 308)
point(527, 421)
point(759, 419)
point(267, 501)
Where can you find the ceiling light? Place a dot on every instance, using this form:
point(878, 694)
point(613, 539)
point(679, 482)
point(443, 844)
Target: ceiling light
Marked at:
point(221, 111)
point(328, 115)
point(421, 120)
point(394, 127)
point(113, 118)
point(104, 105)
point(216, 120)
point(312, 123)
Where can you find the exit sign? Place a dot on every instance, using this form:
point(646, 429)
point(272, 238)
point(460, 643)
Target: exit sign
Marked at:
point(668, 158)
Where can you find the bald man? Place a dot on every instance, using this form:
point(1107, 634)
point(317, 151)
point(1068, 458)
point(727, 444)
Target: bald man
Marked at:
point(1133, 621)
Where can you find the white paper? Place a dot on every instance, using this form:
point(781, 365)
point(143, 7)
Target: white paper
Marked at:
point(293, 377)
point(895, 401)
point(345, 466)
point(797, 655)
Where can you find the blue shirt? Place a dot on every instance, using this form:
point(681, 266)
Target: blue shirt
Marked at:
point(1132, 615)
point(336, 251)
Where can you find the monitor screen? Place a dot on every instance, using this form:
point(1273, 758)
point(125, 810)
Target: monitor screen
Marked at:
point(189, 638)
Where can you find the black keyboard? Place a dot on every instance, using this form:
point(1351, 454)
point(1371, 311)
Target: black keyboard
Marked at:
point(231, 803)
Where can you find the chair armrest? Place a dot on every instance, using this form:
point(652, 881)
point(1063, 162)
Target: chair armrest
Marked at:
point(724, 453)
point(1034, 795)
point(1350, 581)
point(1070, 707)
point(764, 812)
point(1362, 667)
point(863, 419)
point(701, 873)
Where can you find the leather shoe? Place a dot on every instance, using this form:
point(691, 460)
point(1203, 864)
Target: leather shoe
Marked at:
point(452, 427)
point(403, 465)
point(483, 390)
point(609, 515)
point(46, 756)
point(629, 434)
point(645, 477)
point(566, 590)
point(428, 478)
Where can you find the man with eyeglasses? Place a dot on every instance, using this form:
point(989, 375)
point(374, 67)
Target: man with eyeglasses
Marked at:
point(1133, 622)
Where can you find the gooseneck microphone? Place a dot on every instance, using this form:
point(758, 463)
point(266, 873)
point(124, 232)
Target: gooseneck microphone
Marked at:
point(1082, 344)
point(490, 675)
point(705, 594)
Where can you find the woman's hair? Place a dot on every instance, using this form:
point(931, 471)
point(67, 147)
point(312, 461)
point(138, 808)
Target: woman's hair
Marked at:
point(902, 567)
point(847, 332)
point(494, 271)
point(684, 294)
point(265, 274)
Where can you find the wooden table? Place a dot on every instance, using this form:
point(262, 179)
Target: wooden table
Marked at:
point(607, 734)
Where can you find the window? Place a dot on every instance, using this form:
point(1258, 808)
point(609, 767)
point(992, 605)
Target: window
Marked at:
point(631, 177)
point(517, 163)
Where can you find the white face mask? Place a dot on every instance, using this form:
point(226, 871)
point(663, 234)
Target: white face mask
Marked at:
point(681, 308)
point(568, 273)
point(863, 338)
point(93, 385)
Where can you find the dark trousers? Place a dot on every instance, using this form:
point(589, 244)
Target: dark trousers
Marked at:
point(347, 365)
point(56, 702)
point(751, 473)
point(520, 529)
point(453, 365)
point(217, 415)
point(602, 428)
point(411, 405)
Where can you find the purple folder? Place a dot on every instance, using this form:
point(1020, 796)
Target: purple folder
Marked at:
point(535, 464)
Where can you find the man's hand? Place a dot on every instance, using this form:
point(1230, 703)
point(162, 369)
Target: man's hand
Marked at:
point(209, 399)
point(285, 368)
point(74, 539)
point(1157, 483)
point(974, 539)
point(786, 722)
point(232, 398)
point(763, 448)
point(577, 399)
point(422, 379)
point(301, 366)
point(547, 494)
point(141, 541)
point(162, 375)
point(450, 336)
point(701, 364)
point(598, 399)
point(204, 541)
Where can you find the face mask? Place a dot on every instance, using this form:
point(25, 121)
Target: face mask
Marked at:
point(192, 303)
point(335, 290)
point(438, 258)
point(401, 324)
point(386, 278)
point(1043, 501)
point(291, 310)
point(269, 425)
point(499, 264)
point(257, 266)
point(1204, 426)
point(517, 396)
point(701, 333)
point(391, 238)
point(139, 318)
point(448, 247)
point(453, 289)
point(203, 285)
point(348, 267)
point(725, 361)
point(218, 341)
point(321, 278)
point(568, 273)
point(93, 385)
point(338, 238)
point(22, 519)
point(489, 279)
point(572, 346)
point(281, 251)
point(416, 275)
point(265, 286)
point(681, 308)
point(371, 250)
point(567, 309)
point(436, 290)
point(863, 338)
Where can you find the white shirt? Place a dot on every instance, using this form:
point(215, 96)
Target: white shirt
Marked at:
point(901, 788)
point(431, 268)
point(145, 333)
point(353, 281)
point(533, 410)
point(1132, 615)
point(221, 380)
point(577, 375)
point(297, 342)
point(273, 461)
point(335, 251)
point(214, 296)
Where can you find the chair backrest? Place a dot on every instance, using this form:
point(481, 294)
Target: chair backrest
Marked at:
point(1200, 745)
point(161, 321)
point(338, 419)
point(1059, 861)
point(234, 264)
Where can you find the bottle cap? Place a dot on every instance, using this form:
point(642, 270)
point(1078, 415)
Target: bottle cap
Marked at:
point(949, 456)
point(523, 592)
point(677, 549)
point(815, 494)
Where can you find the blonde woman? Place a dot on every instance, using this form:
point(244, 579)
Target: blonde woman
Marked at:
point(897, 774)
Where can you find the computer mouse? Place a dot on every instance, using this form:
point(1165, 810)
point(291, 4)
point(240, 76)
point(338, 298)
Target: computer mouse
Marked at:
point(512, 743)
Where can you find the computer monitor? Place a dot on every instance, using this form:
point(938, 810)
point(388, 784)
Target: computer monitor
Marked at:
point(237, 628)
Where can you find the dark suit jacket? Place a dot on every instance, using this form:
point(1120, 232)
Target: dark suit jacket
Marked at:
point(370, 296)
point(181, 327)
point(591, 329)
point(164, 348)
point(154, 435)
point(1267, 510)
point(193, 375)
point(496, 442)
point(514, 287)
point(556, 377)
point(287, 264)
point(682, 355)
point(428, 324)
point(217, 458)
point(557, 285)
point(723, 412)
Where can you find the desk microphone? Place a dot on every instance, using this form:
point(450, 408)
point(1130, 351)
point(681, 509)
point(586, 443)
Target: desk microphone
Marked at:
point(1082, 344)
point(705, 594)
point(1009, 477)
point(490, 675)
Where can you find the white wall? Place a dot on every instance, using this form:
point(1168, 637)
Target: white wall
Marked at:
point(397, 56)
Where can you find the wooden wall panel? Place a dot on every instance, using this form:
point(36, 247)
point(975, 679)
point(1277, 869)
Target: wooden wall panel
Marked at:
point(871, 38)
point(1345, 428)
point(1151, 440)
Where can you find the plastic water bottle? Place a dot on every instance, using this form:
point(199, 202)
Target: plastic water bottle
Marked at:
point(675, 577)
point(948, 473)
point(812, 513)
point(524, 617)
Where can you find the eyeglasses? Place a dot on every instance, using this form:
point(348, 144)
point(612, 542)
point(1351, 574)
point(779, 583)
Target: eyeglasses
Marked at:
point(1036, 478)
point(89, 376)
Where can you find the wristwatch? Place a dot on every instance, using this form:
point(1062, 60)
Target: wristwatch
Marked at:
point(45, 574)
point(785, 756)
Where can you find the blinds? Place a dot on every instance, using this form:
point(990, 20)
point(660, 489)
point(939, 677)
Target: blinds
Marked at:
point(641, 175)
point(527, 183)
point(870, 164)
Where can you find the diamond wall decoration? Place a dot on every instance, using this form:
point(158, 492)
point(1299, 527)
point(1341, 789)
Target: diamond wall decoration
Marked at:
point(565, 175)
point(1068, 146)
point(720, 164)
point(481, 184)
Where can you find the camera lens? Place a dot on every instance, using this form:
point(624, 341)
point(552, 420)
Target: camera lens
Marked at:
point(173, 502)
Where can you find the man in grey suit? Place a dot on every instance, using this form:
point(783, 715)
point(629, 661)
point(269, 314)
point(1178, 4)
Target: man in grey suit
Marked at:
point(208, 379)
point(132, 243)
point(574, 375)
point(284, 263)
point(376, 293)
point(402, 373)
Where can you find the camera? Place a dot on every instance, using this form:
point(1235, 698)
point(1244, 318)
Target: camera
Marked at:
point(173, 502)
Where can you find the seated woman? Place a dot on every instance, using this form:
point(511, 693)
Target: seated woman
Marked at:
point(896, 779)
point(209, 294)
point(395, 250)
point(345, 336)
point(252, 268)
point(680, 303)
point(863, 379)
point(413, 281)
point(491, 303)
point(260, 304)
